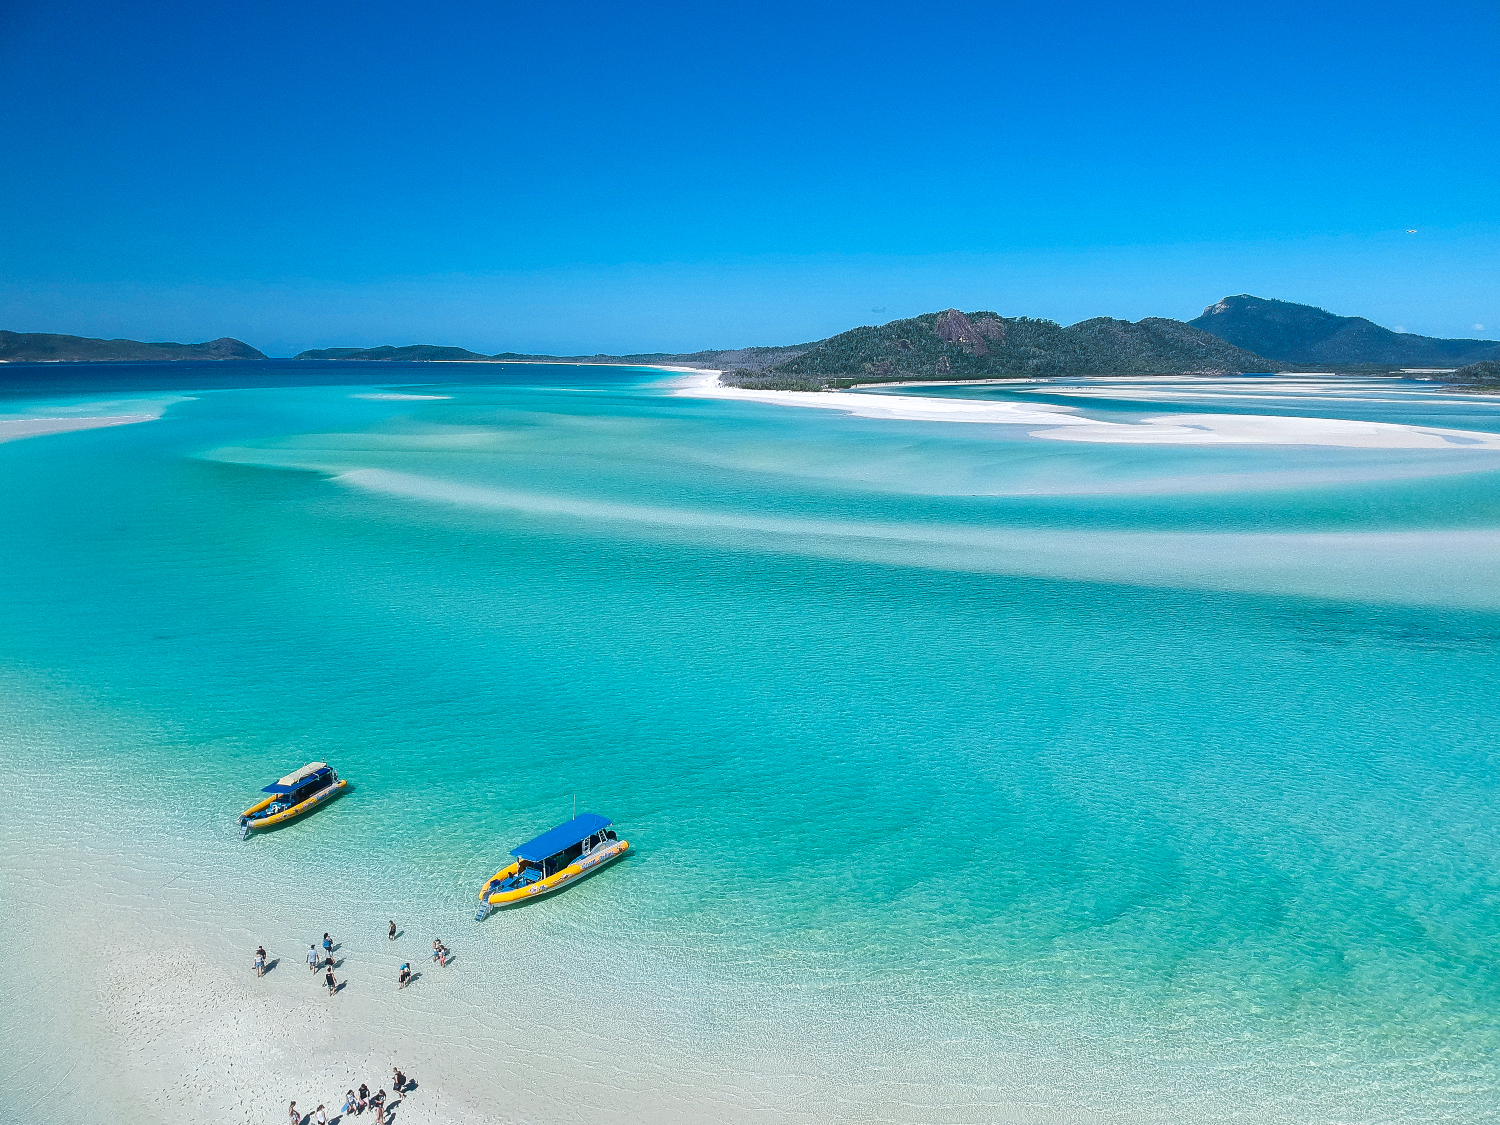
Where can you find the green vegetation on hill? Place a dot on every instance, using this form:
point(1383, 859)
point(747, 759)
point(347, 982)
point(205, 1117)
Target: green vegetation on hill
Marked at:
point(49, 347)
point(1303, 334)
point(985, 345)
point(1485, 373)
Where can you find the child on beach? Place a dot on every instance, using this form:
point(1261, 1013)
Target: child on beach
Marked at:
point(260, 961)
point(349, 1103)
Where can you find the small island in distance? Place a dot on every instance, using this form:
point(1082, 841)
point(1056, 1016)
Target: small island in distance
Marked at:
point(1237, 334)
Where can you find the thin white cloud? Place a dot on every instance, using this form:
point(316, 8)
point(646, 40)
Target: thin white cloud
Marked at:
point(1477, 328)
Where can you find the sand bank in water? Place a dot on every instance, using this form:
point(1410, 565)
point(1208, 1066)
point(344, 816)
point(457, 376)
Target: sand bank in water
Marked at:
point(1063, 423)
point(13, 429)
point(1450, 568)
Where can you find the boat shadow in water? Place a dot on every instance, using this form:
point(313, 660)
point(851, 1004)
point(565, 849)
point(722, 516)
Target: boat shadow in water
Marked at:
point(552, 896)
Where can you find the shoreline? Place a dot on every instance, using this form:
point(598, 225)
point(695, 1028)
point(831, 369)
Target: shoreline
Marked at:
point(1068, 423)
point(159, 1005)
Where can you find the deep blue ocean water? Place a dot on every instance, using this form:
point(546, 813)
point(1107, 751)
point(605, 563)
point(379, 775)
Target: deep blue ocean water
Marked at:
point(979, 759)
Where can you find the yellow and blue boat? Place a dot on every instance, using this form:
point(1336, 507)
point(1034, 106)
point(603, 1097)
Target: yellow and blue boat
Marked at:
point(292, 796)
point(556, 859)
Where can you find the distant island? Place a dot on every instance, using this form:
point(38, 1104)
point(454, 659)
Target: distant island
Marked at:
point(427, 353)
point(1243, 333)
point(1304, 334)
point(984, 345)
point(48, 347)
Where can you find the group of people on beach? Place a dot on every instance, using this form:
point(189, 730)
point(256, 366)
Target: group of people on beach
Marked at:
point(324, 960)
point(356, 1102)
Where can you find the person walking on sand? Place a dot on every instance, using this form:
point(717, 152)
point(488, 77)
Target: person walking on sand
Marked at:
point(398, 1080)
point(312, 958)
point(364, 1097)
point(260, 961)
point(333, 985)
point(293, 1115)
point(391, 933)
point(328, 946)
point(320, 1116)
point(348, 1103)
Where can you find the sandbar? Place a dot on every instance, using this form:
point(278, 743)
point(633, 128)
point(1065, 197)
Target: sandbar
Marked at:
point(13, 429)
point(1066, 423)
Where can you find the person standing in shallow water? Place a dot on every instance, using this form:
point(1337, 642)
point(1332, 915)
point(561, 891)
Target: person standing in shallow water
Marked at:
point(391, 933)
point(260, 961)
point(312, 958)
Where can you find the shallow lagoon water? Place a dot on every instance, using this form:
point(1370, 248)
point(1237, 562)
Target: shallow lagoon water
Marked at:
point(967, 772)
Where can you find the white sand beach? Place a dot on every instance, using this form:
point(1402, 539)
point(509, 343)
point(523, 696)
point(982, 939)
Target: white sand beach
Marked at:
point(1065, 424)
point(139, 989)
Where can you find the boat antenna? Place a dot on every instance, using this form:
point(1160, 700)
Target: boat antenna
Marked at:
point(575, 806)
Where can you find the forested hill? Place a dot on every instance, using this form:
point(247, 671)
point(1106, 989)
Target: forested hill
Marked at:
point(49, 347)
point(979, 345)
point(1292, 333)
point(1485, 373)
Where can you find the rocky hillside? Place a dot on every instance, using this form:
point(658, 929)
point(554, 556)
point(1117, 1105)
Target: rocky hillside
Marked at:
point(980, 345)
point(48, 347)
point(1292, 333)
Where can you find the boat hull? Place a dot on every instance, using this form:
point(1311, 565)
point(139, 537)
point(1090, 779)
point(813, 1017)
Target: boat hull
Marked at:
point(582, 866)
point(257, 823)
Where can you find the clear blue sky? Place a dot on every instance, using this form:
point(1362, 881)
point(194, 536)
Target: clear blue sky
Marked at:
point(583, 177)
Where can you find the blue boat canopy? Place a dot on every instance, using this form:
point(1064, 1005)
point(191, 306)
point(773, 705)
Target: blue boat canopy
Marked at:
point(565, 835)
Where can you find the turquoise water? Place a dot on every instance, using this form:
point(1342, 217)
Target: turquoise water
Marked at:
point(955, 760)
